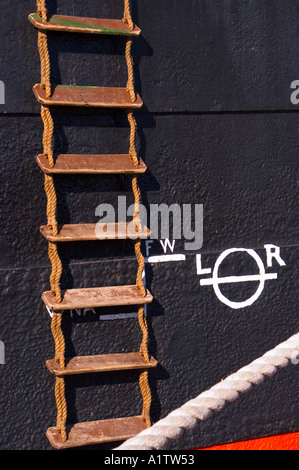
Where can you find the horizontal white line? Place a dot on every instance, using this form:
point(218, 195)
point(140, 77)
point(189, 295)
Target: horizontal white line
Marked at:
point(165, 258)
point(118, 316)
point(231, 279)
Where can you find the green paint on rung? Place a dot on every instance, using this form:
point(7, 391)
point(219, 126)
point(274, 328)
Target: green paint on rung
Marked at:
point(81, 25)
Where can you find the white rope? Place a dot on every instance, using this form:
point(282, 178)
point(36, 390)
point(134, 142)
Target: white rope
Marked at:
point(201, 408)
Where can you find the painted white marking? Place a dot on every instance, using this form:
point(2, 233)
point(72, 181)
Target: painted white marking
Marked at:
point(118, 316)
point(164, 258)
point(167, 244)
point(2, 353)
point(148, 244)
point(82, 311)
point(233, 279)
point(2, 92)
point(115, 316)
point(50, 311)
point(273, 251)
point(215, 281)
point(200, 270)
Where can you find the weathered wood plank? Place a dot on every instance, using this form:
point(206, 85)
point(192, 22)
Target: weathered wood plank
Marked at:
point(90, 96)
point(97, 432)
point(76, 24)
point(103, 363)
point(97, 297)
point(91, 164)
point(88, 232)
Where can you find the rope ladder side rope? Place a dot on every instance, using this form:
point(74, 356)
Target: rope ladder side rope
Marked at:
point(143, 379)
point(50, 191)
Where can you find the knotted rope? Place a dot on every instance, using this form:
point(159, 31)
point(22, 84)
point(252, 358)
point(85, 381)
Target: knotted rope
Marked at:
point(227, 391)
point(129, 41)
point(61, 407)
point(41, 11)
point(147, 397)
point(143, 380)
point(60, 384)
point(48, 134)
point(127, 15)
point(58, 339)
point(56, 271)
point(133, 135)
point(45, 62)
point(130, 66)
point(52, 223)
point(49, 181)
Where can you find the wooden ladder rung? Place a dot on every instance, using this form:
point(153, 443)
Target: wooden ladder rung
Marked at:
point(87, 232)
point(97, 432)
point(91, 164)
point(103, 363)
point(97, 297)
point(77, 24)
point(89, 96)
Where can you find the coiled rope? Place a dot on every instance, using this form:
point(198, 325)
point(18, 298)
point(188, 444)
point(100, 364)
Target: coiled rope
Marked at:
point(227, 391)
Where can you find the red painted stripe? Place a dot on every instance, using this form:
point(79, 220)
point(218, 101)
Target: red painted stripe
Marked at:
point(281, 442)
